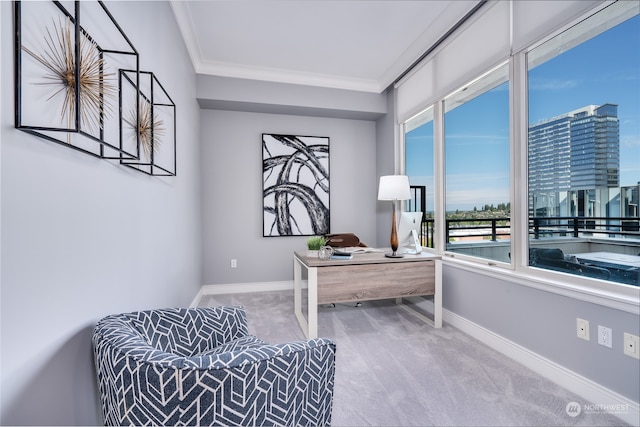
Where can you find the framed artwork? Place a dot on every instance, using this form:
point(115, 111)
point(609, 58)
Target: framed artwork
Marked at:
point(295, 180)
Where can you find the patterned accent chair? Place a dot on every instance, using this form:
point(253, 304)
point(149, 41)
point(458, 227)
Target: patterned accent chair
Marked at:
point(199, 366)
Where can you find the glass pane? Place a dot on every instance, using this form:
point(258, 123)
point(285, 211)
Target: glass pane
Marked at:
point(419, 168)
point(477, 191)
point(584, 148)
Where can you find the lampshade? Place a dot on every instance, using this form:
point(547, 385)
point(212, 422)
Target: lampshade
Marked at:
point(394, 187)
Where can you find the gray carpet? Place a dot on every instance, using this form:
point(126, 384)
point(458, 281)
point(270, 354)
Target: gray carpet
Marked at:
point(394, 370)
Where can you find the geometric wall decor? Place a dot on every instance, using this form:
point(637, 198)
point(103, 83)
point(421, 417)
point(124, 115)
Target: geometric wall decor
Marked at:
point(148, 117)
point(66, 75)
point(295, 185)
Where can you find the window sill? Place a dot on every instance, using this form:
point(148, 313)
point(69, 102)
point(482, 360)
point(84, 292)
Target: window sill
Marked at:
point(618, 296)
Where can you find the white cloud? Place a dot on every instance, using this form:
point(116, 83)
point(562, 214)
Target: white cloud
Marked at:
point(479, 180)
point(474, 139)
point(630, 140)
point(552, 84)
point(466, 191)
point(467, 199)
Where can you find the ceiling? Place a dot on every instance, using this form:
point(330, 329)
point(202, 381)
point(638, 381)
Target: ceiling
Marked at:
point(361, 45)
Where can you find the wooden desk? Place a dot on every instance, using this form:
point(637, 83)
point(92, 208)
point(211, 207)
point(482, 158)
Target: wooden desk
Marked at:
point(368, 276)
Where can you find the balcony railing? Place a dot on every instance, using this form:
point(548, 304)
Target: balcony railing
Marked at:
point(493, 229)
point(539, 227)
point(490, 228)
point(614, 227)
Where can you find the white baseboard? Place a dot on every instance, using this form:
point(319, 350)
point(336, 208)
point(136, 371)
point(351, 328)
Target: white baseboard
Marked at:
point(583, 387)
point(241, 288)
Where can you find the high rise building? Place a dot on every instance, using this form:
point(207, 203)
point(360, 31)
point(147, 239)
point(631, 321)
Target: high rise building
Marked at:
point(595, 148)
point(571, 157)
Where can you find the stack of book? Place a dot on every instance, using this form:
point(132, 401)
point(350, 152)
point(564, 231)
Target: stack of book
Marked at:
point(341, 255)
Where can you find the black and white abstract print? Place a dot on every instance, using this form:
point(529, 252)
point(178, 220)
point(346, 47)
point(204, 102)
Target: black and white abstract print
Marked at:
point(295, 177)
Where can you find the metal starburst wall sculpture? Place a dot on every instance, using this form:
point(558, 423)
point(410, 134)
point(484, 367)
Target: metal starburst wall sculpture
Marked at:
point(150, 128)
point(95, 85)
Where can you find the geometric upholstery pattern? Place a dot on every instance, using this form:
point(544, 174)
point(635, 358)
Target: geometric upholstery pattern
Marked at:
point(199, 366)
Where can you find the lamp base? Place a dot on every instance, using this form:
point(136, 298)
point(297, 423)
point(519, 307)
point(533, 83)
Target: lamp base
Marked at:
point(393, 255)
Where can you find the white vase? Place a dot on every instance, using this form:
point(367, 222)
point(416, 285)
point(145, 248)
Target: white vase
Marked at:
point(312, 253)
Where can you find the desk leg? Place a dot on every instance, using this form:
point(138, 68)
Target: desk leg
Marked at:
point(297, 295)
point(297, 287)
point(437, 297)
point(437, 300)
point(313, 302)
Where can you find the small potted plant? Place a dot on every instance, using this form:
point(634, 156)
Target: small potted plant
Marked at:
point(314, 243)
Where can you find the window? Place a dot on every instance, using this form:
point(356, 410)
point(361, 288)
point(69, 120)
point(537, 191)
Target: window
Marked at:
point(584, 148)
point(572, 168)
point(419, 166)
point(477, 172)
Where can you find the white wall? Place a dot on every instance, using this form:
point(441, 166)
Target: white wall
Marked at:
point(385, 165)
point(83, 238)
point(545, 324)
point(232, 191)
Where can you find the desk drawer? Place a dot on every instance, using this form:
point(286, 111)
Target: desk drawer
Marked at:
point(375, 281)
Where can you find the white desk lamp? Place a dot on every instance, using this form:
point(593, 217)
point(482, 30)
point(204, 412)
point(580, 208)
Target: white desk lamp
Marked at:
point(394, 188)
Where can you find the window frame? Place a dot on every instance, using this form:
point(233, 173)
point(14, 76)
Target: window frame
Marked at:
point(607, 293)
point(444, 249)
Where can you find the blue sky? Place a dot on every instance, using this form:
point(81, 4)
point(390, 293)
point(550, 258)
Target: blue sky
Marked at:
point(602, 70)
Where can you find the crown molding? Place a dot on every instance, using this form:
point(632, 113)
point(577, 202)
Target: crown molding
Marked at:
point(287, 76)
point(185, 24)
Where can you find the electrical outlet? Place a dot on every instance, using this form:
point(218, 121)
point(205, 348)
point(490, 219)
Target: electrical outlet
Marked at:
point(631, 343)
point(583, 329)
point(604, 336)
point(234, 263)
